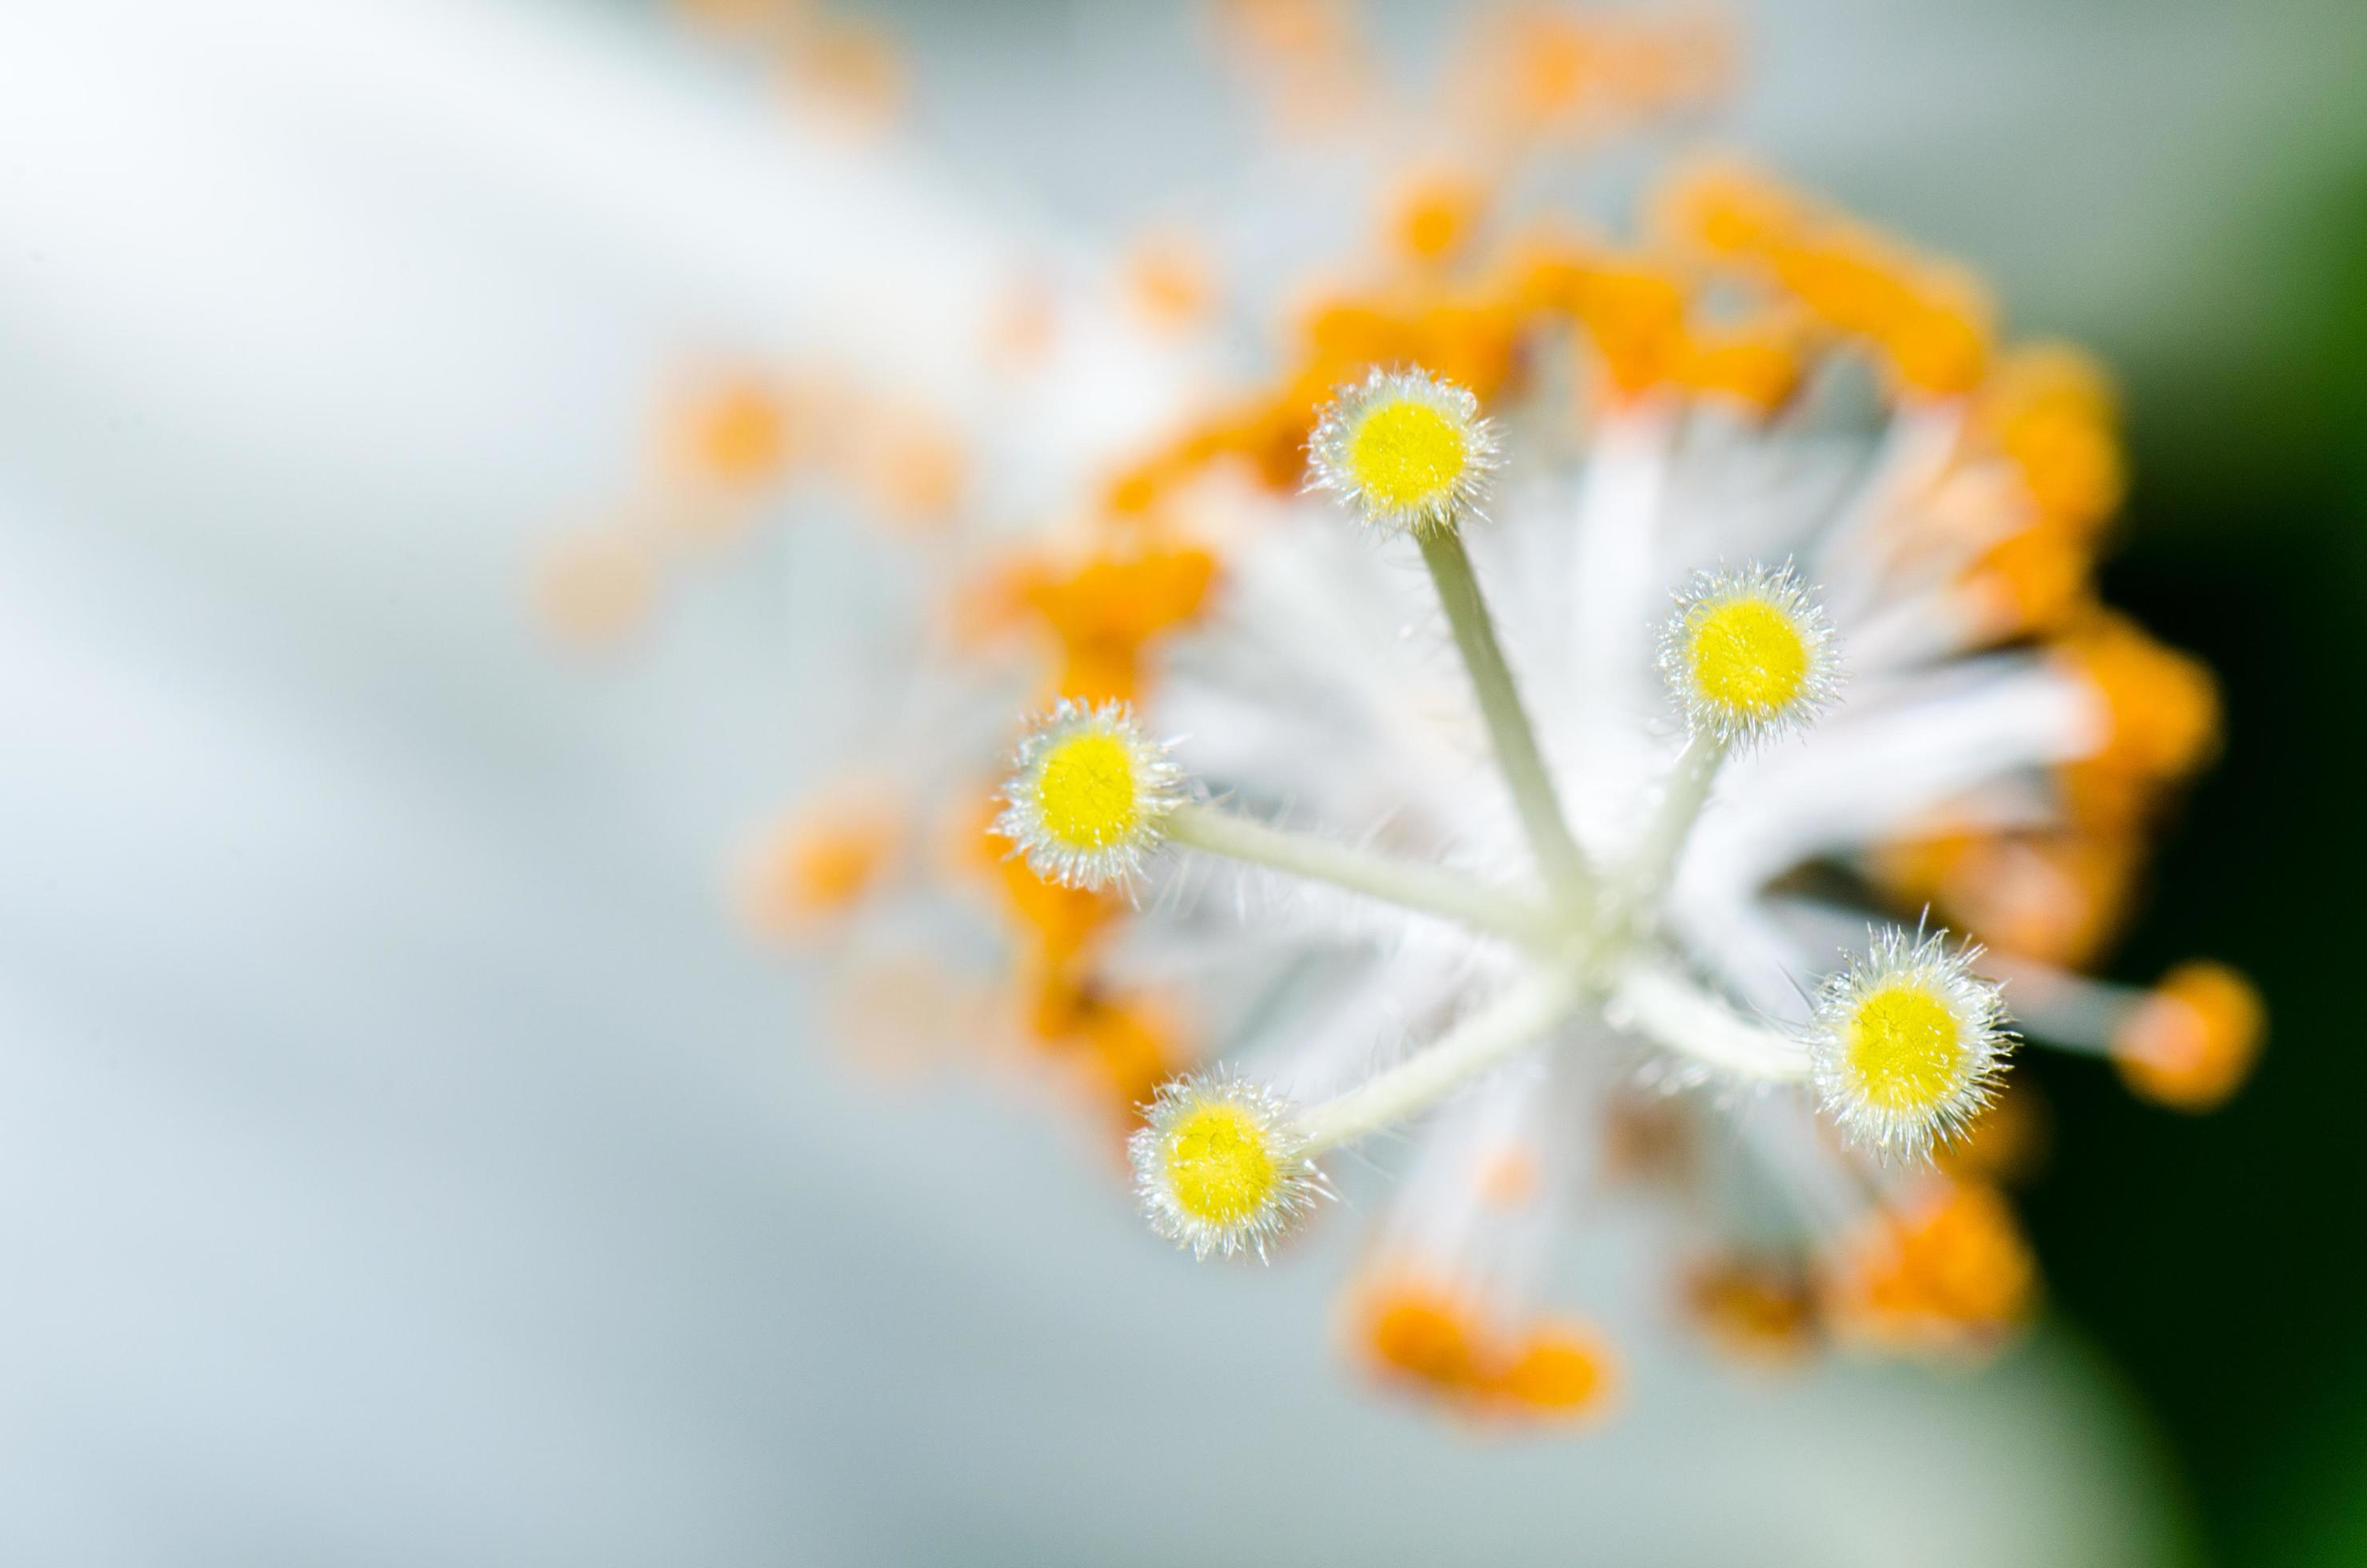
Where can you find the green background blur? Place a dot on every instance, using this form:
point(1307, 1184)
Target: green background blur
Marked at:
point(2218, 1260)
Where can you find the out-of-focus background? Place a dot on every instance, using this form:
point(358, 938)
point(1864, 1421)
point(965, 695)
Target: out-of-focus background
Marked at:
point(403, 1157)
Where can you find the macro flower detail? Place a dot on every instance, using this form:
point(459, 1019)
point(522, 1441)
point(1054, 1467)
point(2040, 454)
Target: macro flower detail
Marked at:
point(1585, 899)
point(1494, 864)
point(1089, 796)
point(1750, 650)
point(1220, 1167)
point(1908, 1043)
point(1909, 1047)
point(1406, 449)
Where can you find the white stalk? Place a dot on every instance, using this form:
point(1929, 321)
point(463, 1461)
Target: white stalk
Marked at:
point(1613, 549)
point(1430, 889)
point(1509, 731)
point(1914, 450)
point(1690, 782)
point(2058, 1008)
point(1660, 1005)
point(1512, 1022)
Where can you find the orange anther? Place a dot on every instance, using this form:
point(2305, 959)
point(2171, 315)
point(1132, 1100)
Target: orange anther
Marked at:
point(1059, 922)
point(2192, 1042)
point(2049, 411)
point(1103, 612)
point(735, 433)
point(1949, 1271)
point(1417, 1333)
point(1937, 334)
point(849, 67)
point(1435, 216)
point(1635, 315)
point(1548, 273)
point(1758, 367)
point(2164, 705)
point(1757, 1313)
point(1128, 1049)
point(2035, 581)
point(818, 862)
point(1508, 1178)
point(1727, 208)
point(1559, 1372)
point(2058, 897)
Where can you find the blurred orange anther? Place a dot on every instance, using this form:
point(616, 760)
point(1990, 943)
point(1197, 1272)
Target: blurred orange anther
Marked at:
point(1757, 368)
point(1426, 1338)
point(818, 862)
point(1122, 1046)
point(1558, 1372)
point(1725, 208)
point(1134, 491)
point(1537, 71)
point(1635, 315)
point(1059, 923)
point(1930, 321)
point(2049, 411)
point(1937, 334)
point(1473, 341)
point(2192, 1042)
point(734, 434)
point(2035, 581)
point(849, 68)
point(1434, 216)
point(1546, 59)
point(1647, 1137)
point(1418, 1334)
point(1546, 273)
point(1757, 1313)
point(1947, 1272)
point(1351, 332)
point(2058, 897)
point(1508, 1178)
point(1103, 612)
point(2163, 705)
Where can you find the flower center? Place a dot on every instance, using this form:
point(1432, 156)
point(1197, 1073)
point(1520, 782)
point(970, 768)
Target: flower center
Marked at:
point(1407, 454)
point(1904, 1049)
point(1086, 795)
point(1749, 657)
point(1220, 1166)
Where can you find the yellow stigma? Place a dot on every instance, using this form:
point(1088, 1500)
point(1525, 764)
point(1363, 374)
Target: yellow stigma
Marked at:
point(1406, 456)
point(1749, 657)
point(1086, 793)
point(1220, 1164)
point(1904, 1049)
